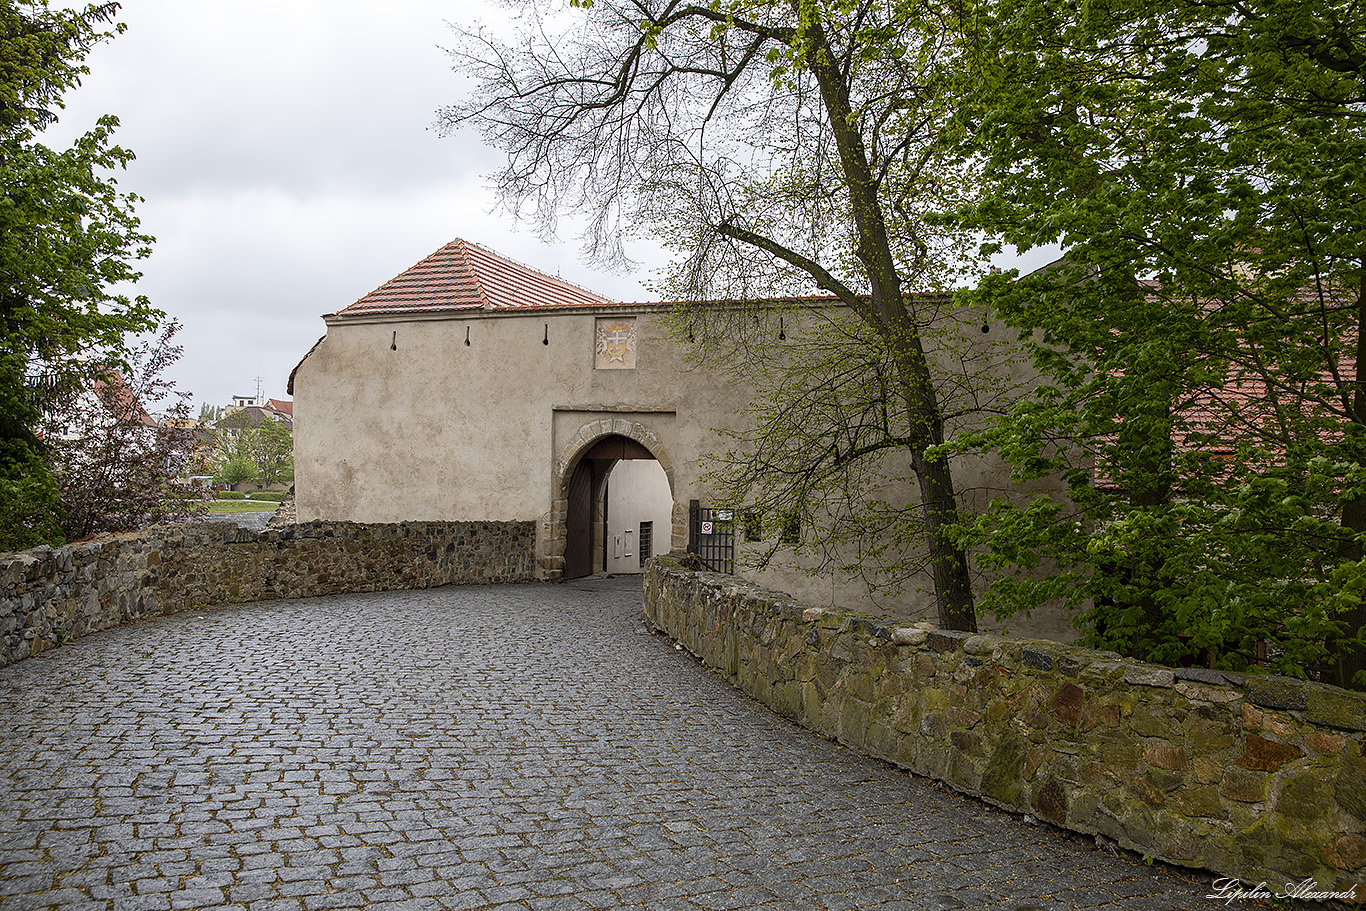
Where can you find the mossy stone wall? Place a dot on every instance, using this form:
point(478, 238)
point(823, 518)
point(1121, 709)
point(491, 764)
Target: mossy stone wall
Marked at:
point(1258, 778)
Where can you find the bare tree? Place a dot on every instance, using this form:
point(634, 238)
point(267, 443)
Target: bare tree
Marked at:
point(779, 145)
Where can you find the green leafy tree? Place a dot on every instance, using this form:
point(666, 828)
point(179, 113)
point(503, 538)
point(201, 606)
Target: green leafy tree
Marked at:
point(235, 444)
point(67, 236)
point(272, 449)
point(1203, 167)
point(784, 148)
point(236, 471)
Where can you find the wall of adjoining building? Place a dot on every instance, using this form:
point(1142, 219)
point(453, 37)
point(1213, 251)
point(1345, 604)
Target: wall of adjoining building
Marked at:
point(51, 595)
point(1259, 778)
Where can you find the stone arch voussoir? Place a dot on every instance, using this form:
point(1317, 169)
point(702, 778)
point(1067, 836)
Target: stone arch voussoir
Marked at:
point(593, 431)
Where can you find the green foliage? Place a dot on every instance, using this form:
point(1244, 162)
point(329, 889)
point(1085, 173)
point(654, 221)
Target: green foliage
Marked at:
point(231, 494)
point(67, 236)
point(273, 452)
point(28, 492)
point(263, 452)
point(274, 496)
point(236, 470)
point(28, 501)
point(1201, 166)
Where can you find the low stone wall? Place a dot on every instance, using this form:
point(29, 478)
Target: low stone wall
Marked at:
point(1254, 777)
point(50, 595)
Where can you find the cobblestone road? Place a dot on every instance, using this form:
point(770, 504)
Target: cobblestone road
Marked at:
point(484, 747)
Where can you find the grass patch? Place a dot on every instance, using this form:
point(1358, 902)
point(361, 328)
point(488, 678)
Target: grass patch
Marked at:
point(218, 507)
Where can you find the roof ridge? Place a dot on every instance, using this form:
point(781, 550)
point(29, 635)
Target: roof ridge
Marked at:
point(474, 273)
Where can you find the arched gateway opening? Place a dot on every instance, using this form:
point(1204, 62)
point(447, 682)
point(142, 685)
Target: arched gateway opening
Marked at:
point(619, 508)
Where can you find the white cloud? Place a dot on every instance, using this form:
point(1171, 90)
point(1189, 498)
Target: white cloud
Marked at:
point(286, 155)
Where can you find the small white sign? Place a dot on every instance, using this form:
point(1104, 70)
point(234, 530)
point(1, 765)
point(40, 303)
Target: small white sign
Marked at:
point(706, 528)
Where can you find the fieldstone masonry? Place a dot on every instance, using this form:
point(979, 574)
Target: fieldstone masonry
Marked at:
point(50, 595)
point(1258, 778)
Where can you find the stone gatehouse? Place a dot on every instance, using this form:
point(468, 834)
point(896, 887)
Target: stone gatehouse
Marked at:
point(471, 385)
point(473, 388)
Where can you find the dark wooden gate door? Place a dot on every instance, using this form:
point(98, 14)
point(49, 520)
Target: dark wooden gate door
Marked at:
point(578, 545)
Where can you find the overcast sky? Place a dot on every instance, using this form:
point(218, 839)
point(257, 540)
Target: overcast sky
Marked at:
point(286, 154)
point(289, 165)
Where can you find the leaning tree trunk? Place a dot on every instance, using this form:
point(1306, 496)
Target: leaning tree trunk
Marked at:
point(948, 560)
point(952, 584)
point(886, 311)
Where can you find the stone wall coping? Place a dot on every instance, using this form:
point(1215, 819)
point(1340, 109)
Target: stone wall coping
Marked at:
point(1324, 703)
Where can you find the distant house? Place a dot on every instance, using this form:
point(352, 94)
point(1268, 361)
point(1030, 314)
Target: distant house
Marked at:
point(279, 410)
point(107, 399)
point(276, 408)
point(254, 415)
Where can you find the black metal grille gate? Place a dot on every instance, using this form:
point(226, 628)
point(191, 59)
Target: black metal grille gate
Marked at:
point(646, 542)
point(711, 536)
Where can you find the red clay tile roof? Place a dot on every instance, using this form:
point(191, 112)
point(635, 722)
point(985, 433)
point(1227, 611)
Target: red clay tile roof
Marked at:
point(116, 395)
point(464, 276)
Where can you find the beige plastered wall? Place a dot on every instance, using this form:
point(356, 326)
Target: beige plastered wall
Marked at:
point(398, 419)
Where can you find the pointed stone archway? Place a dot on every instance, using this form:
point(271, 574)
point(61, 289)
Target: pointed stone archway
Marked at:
point(577, 513)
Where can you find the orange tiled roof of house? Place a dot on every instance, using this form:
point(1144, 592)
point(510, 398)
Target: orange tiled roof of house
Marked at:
point(284, 407)
point(465, 276)
point(116, 395)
